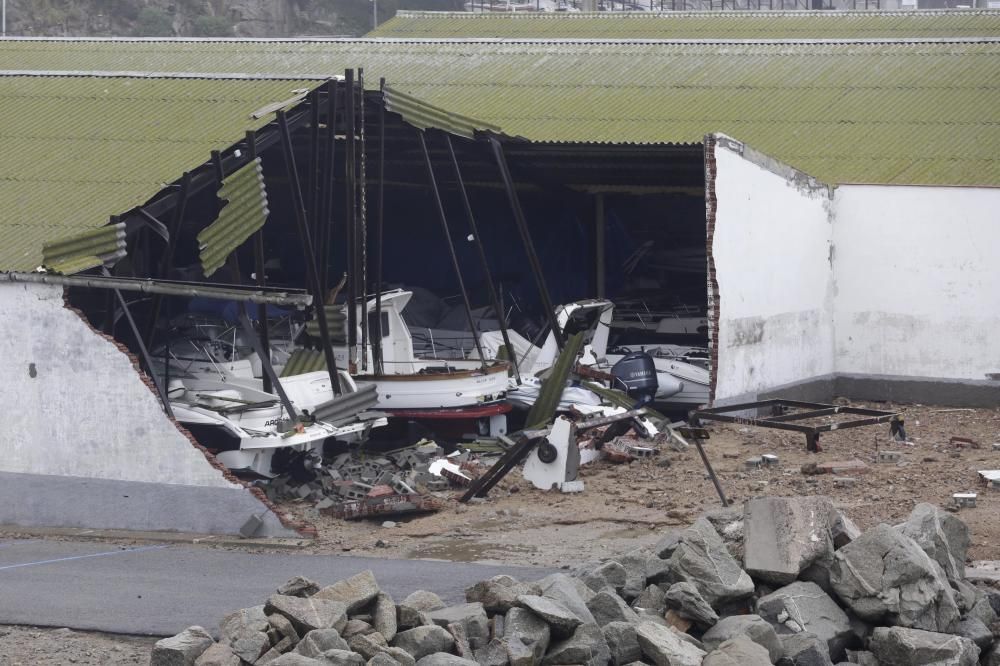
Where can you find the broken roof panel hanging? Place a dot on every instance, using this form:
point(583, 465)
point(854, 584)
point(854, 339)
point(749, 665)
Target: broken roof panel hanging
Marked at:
point(96, 247)
point(244, 212)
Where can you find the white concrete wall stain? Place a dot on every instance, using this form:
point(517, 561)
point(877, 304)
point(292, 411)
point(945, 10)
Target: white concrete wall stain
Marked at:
point(918, 281)
point(74, 405)
point(772, 249)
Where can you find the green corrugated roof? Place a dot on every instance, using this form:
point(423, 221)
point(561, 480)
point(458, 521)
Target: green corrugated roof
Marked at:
point(74, 151)
point(694, 25)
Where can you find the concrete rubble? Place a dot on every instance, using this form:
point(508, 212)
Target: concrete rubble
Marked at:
point(895, 596)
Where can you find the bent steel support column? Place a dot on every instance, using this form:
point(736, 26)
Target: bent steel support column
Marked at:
point(261, 279)
point(494, 299)
point(451, 246)
point(307, 251)
point(265, 364)
point(529, 246)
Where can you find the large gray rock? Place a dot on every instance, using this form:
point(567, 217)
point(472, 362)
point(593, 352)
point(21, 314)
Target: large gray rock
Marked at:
point(842, 529)
point(729, 523)
point(622, 642)
point(355, 592)
point(702, 559)
point(804, 607)
point(368, 645)
point(494, 654)
point(340, 658)
point(982, 610)
point(784, 535)
point(298, 586)
point(753, 627)
point(975, 631)
point(804, 649)
point(653, 598)
point(218, 654)
point(899, 646)
point(422, 600)
point(422, 641)
point(586, 646)
point(384, 616)
point(572, 593)
point(318, 641)
point(738, 651)
point(992, 656)
point(560, 619)
point(309, 613)
point(236, 623)
point(292, 659)
point(665, 547)
point(634, 562)
point(499, 594)
point(665, 648)
point(943, 536)
point(250, 645)
point(284, 627)
point(527, 637)
point(658, 570)
point(444, 659)
point(885, 577)
point(182, 649)
point(606, 606)
point(471, 616)
point(686, 600)
point(609, 574)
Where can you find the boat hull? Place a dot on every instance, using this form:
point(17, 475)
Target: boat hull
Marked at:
point(436, 391)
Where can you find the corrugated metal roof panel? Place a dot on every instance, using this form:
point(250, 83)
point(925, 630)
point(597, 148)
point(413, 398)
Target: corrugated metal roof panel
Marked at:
point(244, 212)
point(423, 115)
point(88, 249)
point(694, 25)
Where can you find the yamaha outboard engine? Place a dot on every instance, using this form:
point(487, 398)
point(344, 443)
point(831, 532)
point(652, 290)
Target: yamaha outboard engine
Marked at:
point(635, 374)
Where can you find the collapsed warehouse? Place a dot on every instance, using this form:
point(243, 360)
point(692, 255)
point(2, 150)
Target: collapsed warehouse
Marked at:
point(565, 210)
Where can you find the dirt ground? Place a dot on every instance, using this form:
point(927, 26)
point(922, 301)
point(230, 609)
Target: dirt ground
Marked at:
point(630, 506)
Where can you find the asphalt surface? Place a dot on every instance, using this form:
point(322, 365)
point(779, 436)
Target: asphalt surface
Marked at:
point(159, 590)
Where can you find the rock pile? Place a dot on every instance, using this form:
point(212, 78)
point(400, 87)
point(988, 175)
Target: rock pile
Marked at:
point(788, 581)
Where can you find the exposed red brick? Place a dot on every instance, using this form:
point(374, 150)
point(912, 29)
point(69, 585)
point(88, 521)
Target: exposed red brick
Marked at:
point(711, 208)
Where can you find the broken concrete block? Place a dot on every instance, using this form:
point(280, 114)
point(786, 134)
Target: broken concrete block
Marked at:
point(471, 616)
point(299, 586)
point(586, 646)
point(665, 648)
point(622, 642)
point(355, 592)
point(653, 598)
point(965, 500)
point(738, 651)
point(842, 467)
point(527, 637)
point(610, 574)
point(445, 659)
point(943, 536)
point(804, 649)
point(218, 654)
point(422, 641)
point(384, 616)
point(753, 463)
point(318, 641)
point(310, 613)
point(422, 600)
point(804, 607)
point(784, 535)
point(687, 601)
point(844, 481)
point(889, 456)
point(182, 649)
point(606, 606)
point(753, 627)
point(703, 560)
point(499, 594)
point(898, 646)
point(571, 592)
point(243, 620)
point(884, 576)
point(562, 621)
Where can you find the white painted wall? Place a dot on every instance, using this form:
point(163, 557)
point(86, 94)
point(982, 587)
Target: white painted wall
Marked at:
point(918, 281)
point(772, 257)
point(73, 404)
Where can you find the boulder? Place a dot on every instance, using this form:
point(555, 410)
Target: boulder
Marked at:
point(784, 535)
point(702, 559)
point(899, 646)
point(299, 586)
point(738, 651)
point(368, 645)
point(182, 649)
point(606, 606)
point(407, 617)
point(975, 631)
point(462, 646)
point(384, 616)
point(283, 626)
point(355, 627)
point(653, 598)
point(382, 659)
point(292, 659)
point(729, 523)
point(309, 613)
point(355, 592)
point(685, 599)
point(804, 649)
point(622, 642)
point(753, 627)
point(527, 637)
point(586, 646)
point(445, 659)
point(245, 619)
point(250, 645)
point(560, 619)
point(992, 656)
point(572, 593)
point(609, 574)
point(842, 529)
point(634, 562)
point(494, 654)
point(982, 610)
point(422, 600)
point(665, 547)
point(471, 616)
point(339, 658)
point(943, 536)
point(499, 594)
point(422, 641)
point(665, 648)
point(318, 641)
point(658, 570)
point(218, 654)
point(804, 607)
point(885, 577)
point(861, 657)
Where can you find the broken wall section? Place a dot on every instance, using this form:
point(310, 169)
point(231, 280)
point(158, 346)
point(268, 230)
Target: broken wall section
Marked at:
point(85, 441)
point(771, 247)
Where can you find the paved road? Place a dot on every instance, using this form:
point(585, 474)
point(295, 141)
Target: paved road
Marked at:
point(159, 590)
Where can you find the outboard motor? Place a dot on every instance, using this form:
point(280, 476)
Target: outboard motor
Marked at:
point(635, 374)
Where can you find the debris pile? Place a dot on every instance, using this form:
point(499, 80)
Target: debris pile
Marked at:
point(789, 581)
point(359, 485)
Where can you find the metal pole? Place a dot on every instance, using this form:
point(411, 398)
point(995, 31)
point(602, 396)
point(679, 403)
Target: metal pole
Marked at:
point(351, 219)
point(265, 364)
point(451, 246)
point(261, 279)
point(307, 251)
point(494, 299)
point(599, 232)
point(711, 473)
point(362, 237)
point(313, 183)
point(327, 227)
point(168, 256)
point(529, 246)
point(379, 368)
